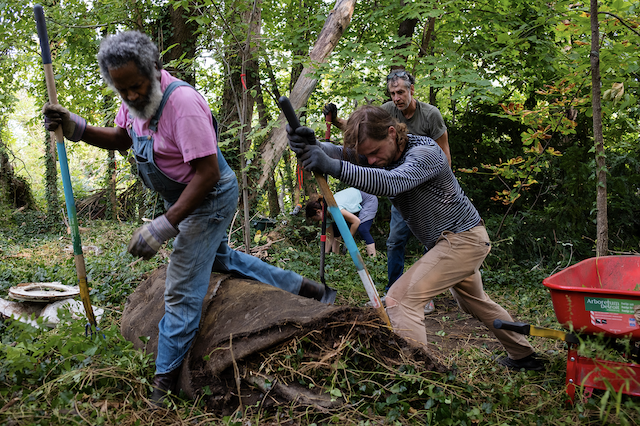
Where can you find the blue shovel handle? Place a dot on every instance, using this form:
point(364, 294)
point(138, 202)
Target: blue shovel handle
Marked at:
point(64, 167)
point(365, 277)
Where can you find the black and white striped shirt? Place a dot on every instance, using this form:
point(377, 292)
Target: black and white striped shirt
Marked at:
point(421, 186)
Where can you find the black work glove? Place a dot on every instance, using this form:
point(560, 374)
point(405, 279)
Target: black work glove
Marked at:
point(73, 126)
point(300, 138)
point(148, 239)
point(332, 110)
point(314, 159)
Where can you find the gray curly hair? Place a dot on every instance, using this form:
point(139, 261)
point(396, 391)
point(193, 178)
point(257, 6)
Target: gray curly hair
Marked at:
point(120, 49)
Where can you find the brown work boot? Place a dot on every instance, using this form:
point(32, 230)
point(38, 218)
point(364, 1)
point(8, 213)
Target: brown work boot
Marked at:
point(315, 290)
point(163, 384)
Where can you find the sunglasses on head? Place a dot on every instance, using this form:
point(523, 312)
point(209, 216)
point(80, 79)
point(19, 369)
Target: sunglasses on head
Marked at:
point(399, 74)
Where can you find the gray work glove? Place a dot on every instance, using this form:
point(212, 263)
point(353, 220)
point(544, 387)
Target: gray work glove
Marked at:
point(148, 239)
point(73, 126)
point(331, 110)
point(300, 138)
point(314, 159)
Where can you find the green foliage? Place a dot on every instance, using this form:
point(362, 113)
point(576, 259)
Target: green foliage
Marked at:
point(63, 376)
point(529, 57)
point(58, 369)
point(31, 354)
point(35, 251)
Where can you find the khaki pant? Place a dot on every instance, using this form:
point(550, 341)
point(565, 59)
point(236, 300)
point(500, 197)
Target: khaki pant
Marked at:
point(453, 263)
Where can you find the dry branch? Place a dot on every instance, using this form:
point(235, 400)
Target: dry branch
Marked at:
point(334, 26)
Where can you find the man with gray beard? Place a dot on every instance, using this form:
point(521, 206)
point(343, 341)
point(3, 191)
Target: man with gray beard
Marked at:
point(169, 126)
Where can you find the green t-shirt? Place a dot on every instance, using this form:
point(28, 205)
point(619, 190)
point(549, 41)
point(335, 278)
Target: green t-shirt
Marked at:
point(426, 120)
point(348, 199)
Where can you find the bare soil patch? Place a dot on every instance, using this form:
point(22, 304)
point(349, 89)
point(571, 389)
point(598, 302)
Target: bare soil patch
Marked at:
point(450, 330)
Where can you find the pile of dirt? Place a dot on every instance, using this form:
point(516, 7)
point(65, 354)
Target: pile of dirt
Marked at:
point(260, 342)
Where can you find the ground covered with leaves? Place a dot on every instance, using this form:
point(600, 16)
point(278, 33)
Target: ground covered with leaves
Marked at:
point(64, 376)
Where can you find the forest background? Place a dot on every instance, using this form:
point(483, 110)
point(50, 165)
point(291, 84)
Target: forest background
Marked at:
point(512, 78)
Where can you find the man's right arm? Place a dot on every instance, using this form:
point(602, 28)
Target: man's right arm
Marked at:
point(443, 142)
point(115, 138)
point(75, 128)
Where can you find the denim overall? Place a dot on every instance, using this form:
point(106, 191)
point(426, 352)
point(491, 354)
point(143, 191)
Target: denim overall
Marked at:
point(200, 247)
point(152, 177)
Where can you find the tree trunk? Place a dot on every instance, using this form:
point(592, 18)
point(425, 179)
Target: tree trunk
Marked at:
point(231, 111)
point(296, 70)
point(289, 185)
point(112, 199)
point(602, 227)
point(427, 49)
point(263, 112)
point(111, 210)
point(179, 32)
point(13, 189)
point(405, 30)
point(308, 185)
point(427, 36)
point(334, 26)
point(249, 68)
point(263, 120)
point(272, 197)
point(272, 78)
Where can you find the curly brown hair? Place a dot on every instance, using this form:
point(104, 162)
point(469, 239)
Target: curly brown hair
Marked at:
point(371, 122)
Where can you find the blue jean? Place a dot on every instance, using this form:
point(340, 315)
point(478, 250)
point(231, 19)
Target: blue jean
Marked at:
point(399, 234)
point(247, 266)
point(365, 231)
point(202, 241)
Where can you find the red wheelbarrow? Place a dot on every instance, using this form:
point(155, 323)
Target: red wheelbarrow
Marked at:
point(598, 296)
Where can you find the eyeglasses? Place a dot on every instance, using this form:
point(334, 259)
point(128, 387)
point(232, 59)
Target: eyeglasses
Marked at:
point(400, 74)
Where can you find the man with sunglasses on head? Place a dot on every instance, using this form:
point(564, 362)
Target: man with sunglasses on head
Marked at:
point(421, 119)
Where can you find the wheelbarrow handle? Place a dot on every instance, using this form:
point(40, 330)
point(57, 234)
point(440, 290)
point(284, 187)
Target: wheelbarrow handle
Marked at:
point(518, 327)
point(532, 330)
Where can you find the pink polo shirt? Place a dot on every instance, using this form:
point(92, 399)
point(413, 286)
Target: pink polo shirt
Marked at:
point(185, 130)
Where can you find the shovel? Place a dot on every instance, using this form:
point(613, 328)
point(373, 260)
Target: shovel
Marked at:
point(290, 114)
point(323, 234)
point(64, 167)
point(323, 240)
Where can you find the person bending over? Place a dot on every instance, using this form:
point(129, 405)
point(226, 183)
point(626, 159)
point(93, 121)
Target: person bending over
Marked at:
point(421, 119)
point(358, 209)
point(414, 171)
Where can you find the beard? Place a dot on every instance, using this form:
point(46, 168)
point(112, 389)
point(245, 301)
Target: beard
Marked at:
point(403, 105)
point(145, 108)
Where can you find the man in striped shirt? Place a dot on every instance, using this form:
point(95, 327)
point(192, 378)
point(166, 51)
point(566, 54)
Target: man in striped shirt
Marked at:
point(421, 119)
point(380, 158)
